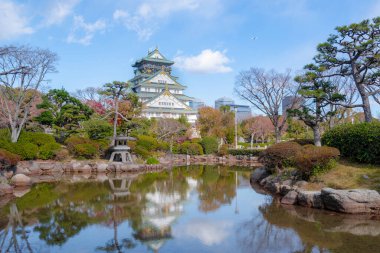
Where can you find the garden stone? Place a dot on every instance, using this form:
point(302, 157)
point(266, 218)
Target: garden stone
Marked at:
point(365, 177)
point(351, 201)
point(301, 184)
point(290, 198)
point(102, 167)
point(21, 180)
point(5, 189)
point(284, 189)
point(259, 174)
point(8, 174)
point(310, 199)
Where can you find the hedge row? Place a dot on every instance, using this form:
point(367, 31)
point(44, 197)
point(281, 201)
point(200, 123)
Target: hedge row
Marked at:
point(249, 152)
point(359, 142)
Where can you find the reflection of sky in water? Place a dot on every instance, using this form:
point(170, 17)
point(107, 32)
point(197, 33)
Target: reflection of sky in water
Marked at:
point(238, 224)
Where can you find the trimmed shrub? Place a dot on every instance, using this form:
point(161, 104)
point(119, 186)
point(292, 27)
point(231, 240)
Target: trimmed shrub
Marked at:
point(8, 159)
point(85, 150)
point(48, 151)
point(191, 148)
point(209, 145)
point(61, 155)
point(97, 129)
point(37, 138)
point(250, 152)
point(141, 151)
point(280, 155)
point(312, 160)
point(304, 142)
point(223, 150)
point(359, 142)
point(152, 160)
point(147, 142)
point(27, 151)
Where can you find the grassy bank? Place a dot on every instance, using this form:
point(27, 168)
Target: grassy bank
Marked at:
point(348, 175)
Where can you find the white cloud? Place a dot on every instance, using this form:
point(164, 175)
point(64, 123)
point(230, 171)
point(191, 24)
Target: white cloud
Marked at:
point(207, 231)
point(12, 21)
point(83, 32)
point(145, 18)
point(133, 23)
point(58, 10)
point(208, 61)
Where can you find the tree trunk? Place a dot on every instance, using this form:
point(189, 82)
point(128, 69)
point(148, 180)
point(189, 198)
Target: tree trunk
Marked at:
point(115, 121)
point(251, 140)
point(317, 135)
point(367, 109)
point(277, 134)
point(14, 134)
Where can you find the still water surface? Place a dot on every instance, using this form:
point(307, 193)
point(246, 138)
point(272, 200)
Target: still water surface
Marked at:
point(193, 209)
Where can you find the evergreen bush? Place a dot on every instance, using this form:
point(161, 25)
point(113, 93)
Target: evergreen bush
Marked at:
point(97, 129)
point(147, 142)
point(191, 148)
point(359, 142)
point(48, 151)
point(152, 160)
point(209, 145)
point(85, 150)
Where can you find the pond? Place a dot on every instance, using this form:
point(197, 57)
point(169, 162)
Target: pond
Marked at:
point(187, 209)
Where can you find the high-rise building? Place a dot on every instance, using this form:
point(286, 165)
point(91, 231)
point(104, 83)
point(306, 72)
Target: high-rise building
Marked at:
point(242, 111)
point(160, 92)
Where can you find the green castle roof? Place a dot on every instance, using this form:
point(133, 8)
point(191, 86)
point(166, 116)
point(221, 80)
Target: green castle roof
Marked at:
point(150, 58)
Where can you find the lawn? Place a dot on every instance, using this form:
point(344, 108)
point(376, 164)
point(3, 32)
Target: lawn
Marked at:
point(348, 175)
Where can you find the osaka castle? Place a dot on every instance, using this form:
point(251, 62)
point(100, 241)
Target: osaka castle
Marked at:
point(160, 92)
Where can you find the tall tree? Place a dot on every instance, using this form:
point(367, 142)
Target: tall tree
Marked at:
point(354, 51)
point(116, 91)
point(22, 71)
point(318, 92)
point(266, 91)
point(63, 112)
point(168, 129)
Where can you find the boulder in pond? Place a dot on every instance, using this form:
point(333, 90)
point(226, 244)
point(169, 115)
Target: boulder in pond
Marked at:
point(259, 174)
point(351, 201)
point(310, 199)
point(290, 198)
point(21, 180)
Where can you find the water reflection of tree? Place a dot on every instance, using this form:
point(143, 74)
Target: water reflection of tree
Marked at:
point(275, 229)
point(15, 232)
point(215, 187)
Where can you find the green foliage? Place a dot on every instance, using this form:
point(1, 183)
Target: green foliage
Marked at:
point(147, 142)
point(191, 148)
point(248, 152)
point(8, 159)
point(141, 151)
point(97, 129)
point(82, 147)
point(48, 151)
point(85, 150)
point(37, 138)
point(30, 145)
point(210, 145)
point(304, 142)
point(279, 155)
point(312, 160)
point(359, 142)
point(63, 112)
point(152, 160)
point(27, 151)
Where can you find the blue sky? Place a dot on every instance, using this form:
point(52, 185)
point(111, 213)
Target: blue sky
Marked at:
point(211, 40)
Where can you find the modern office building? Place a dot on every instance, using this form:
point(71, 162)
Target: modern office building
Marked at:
point(242, 111)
